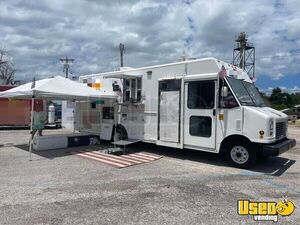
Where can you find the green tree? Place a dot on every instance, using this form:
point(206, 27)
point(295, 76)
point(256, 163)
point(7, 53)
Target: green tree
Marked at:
point(277, 98)
point(281, 100)
point(6, 68)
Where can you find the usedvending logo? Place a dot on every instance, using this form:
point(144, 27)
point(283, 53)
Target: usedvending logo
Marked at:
point(265, 211)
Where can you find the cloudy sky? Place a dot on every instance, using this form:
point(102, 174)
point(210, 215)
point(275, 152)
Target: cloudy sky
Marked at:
point(37, 33)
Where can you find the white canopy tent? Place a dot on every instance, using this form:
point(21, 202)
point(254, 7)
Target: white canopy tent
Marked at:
point(56, 88)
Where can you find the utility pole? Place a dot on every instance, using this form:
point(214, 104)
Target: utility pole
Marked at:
point(122, 50)
point(66, 63)
point(244, 55)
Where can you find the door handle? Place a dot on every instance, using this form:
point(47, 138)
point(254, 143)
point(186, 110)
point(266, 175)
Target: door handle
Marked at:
point(214, 112)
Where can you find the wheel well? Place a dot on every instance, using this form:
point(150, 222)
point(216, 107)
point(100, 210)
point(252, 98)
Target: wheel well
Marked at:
point(233, 138)
point(120, 128)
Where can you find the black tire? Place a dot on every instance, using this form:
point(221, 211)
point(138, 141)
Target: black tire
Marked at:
point(241, 155)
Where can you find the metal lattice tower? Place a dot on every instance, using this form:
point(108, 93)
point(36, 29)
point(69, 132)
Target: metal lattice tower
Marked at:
point(244, 55)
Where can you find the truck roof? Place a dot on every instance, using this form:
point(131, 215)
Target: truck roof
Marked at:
point(123, 70)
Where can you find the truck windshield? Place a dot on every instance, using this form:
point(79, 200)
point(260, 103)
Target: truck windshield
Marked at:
point(246, 92)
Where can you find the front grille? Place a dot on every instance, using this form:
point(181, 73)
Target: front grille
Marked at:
point(280, 130)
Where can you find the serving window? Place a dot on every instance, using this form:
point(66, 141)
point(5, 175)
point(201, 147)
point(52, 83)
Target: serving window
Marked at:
point(132, 90)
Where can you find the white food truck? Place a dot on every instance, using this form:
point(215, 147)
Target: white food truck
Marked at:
point(203, 104)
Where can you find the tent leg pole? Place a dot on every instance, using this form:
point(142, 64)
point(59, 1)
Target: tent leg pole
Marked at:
point(30, 147)
point(31, 130)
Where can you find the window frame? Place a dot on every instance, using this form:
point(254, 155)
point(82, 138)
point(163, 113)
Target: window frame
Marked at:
point(210, 119)
point(226, 83)
point(214, 95)
point(134, 90)
point(108, 108)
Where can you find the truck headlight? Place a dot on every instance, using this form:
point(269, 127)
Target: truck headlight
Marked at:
point(271, 128)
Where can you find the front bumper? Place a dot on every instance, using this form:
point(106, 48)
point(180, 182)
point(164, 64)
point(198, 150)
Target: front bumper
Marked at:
point(278, 148)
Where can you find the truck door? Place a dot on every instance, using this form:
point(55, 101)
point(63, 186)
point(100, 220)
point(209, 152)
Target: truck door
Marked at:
point(169, 110)
point(200, 114)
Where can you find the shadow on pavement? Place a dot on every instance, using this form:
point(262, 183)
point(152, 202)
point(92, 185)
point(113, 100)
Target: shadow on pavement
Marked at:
point(272, 166)
point(51, 154)
point(47, 127)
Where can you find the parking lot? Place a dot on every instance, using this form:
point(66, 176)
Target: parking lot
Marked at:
point(183, 187)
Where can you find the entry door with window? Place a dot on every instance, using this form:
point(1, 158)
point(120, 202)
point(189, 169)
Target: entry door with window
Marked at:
point(199, 116)
point(169, 110)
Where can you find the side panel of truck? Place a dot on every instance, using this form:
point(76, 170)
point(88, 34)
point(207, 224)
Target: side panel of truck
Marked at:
point(150, 90)
point(168, 117)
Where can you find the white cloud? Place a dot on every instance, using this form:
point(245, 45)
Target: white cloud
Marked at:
point(38, 33)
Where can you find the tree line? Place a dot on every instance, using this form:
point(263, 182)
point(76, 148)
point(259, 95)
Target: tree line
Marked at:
point(7, 69)
point(282, 100)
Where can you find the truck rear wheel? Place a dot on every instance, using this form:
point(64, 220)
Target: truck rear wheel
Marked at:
point(241, 155)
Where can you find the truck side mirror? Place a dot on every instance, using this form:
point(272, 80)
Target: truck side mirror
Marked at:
point(224, 91)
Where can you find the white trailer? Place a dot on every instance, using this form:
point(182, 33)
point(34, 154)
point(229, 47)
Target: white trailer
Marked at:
point(204, 104)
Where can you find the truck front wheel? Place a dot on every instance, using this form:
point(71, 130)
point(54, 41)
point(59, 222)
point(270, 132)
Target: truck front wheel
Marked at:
point(241, 155)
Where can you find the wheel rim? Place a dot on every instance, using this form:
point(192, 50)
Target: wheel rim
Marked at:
point(239, 154)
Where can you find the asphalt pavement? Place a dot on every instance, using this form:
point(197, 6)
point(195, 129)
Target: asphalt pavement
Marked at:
point(183, 187)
